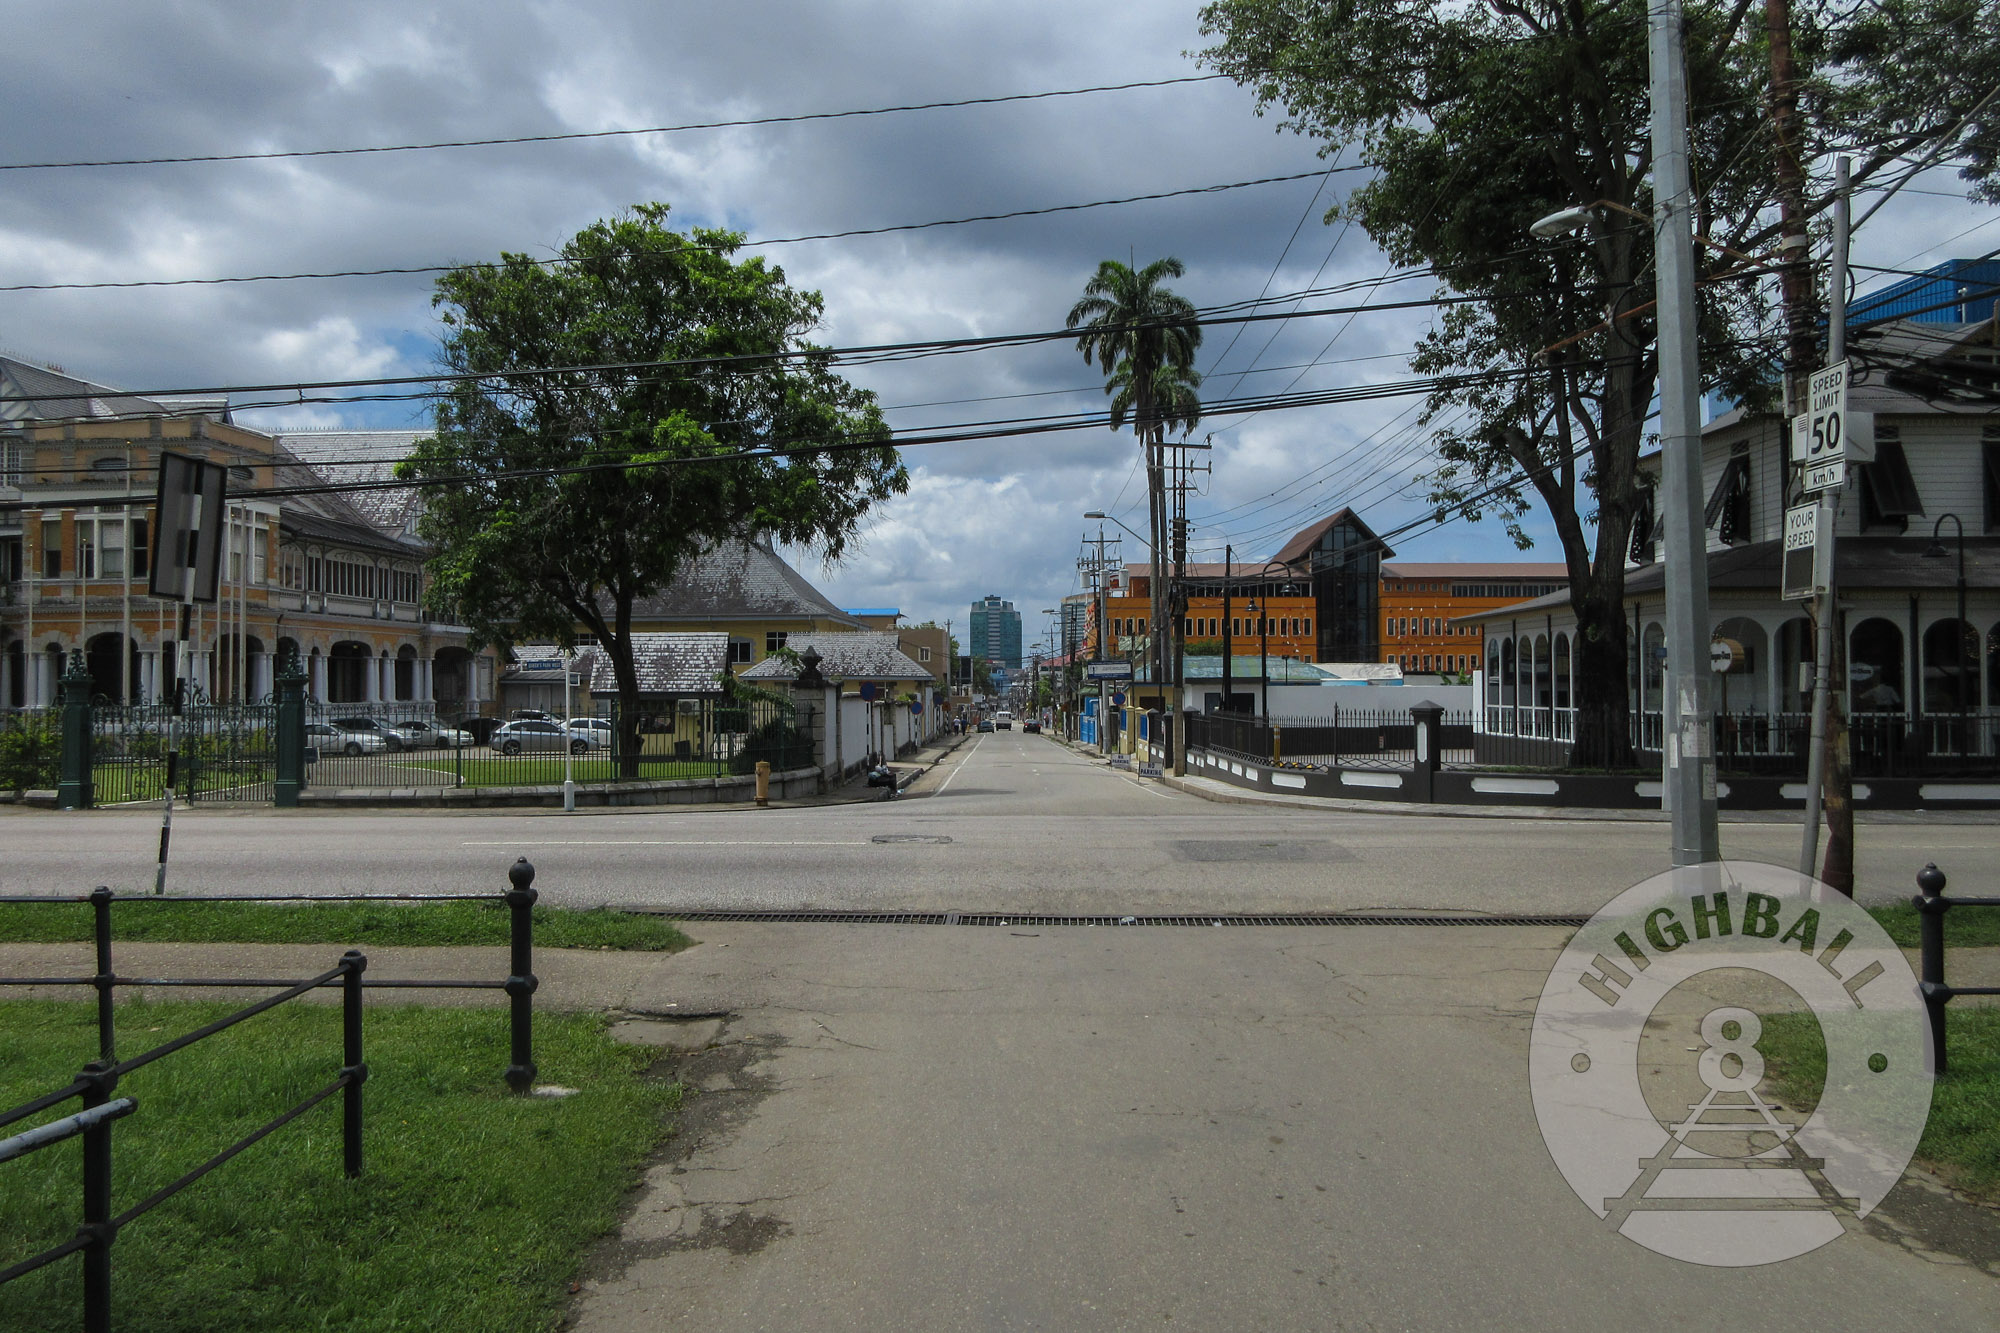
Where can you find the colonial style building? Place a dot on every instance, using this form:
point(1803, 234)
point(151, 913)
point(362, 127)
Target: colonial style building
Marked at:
point(303, 570)
point(1918, 539)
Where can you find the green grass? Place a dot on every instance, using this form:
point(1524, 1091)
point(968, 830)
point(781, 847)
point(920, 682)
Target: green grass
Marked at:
point(1962, 1139)
point(473, 1211)
point(1963, 927)
point(384, 923)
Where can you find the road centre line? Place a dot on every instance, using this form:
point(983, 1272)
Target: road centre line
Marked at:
point(666, 842)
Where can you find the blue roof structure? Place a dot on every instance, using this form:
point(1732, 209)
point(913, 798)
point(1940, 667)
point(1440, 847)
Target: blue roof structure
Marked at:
point(1958, 291)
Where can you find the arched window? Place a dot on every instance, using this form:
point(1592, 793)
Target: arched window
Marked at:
point(1875, 667)
point(1951, 667)
point(1562, 671)
point(1507, 681)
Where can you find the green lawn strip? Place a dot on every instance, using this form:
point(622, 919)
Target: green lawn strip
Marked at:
point(473, 1212)
point(1967, 926)
point(1961, 1142)
point(382, 923)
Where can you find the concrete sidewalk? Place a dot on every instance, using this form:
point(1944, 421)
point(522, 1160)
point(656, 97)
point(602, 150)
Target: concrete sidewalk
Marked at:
point(1094, 1128)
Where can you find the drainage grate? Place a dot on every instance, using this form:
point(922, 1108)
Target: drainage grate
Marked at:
point(1211, 919)
point(938, 838)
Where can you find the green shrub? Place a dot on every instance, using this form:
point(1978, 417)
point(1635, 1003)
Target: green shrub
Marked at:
point(778, 741)
point(30, 752)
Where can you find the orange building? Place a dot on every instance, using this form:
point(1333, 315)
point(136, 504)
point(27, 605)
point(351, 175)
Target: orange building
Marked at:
point(1421, 605)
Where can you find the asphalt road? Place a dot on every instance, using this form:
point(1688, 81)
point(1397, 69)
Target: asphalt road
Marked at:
point(1009, 822)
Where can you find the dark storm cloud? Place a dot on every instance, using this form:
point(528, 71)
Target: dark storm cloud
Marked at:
point(119, 79)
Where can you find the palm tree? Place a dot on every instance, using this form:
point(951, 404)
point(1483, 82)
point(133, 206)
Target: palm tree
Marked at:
point(1145, 337)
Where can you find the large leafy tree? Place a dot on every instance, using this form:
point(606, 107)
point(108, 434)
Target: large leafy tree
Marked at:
point(1144, 336)
point(616, 412)
point(1481, 117)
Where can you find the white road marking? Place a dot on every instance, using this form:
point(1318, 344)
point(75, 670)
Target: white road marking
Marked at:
point(663, 842)
point(956, 767)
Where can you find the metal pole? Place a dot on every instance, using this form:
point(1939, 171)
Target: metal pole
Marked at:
point(1826, 606)
point(105, 980)
point(1931, 905)
point(569, 750)
point(353, 1068)
point(1228, 636)
point(1689, 749)
point(99, 1082)
point(521, 982)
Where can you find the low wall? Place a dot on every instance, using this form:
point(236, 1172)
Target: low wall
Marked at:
point(788, 785)
point(1601, 791)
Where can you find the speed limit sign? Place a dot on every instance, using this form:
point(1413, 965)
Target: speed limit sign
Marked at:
point(1820, 436)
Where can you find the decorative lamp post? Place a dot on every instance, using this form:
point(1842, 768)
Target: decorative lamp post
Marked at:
point(1936, 552)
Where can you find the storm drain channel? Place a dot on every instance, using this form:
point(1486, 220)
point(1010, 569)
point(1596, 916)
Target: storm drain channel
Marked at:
point(835, 918)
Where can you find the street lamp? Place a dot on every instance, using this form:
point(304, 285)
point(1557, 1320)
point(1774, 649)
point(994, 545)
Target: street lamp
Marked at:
point(1263, 654)
point(1936, 552)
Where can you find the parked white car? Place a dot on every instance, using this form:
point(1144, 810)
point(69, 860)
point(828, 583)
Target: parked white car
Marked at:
point(534, 735)
point(594, 730)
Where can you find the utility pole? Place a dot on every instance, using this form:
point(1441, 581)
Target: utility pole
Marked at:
point(1827, 724)
point(1689, 745)
point(1096, 578)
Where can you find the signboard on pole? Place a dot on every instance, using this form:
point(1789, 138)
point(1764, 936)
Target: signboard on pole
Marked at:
point(1107, 671)
point(187, 529)
point(1820, 437)
point(1804, 567)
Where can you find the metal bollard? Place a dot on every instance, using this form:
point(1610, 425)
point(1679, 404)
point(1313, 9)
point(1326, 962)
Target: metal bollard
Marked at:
point(353, 1068)
point(1931, 905)
point(105, 980)
point(97, 1226)
point(521, 981)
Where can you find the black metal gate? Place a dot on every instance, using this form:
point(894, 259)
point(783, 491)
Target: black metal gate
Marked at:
point(228, 752)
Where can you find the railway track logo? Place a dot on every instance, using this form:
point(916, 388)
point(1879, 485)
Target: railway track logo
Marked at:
point(1651, 1064)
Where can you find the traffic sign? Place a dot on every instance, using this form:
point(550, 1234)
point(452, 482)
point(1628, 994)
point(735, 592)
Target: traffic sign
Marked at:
point(1804, 563)
point(1819, 438)
point(1724, 656)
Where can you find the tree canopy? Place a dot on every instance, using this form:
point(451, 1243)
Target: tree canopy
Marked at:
point(618, 410)
point(1480, 118)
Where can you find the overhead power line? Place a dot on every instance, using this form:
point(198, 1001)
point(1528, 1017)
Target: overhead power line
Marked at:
point(574, 135)
point(775, 240)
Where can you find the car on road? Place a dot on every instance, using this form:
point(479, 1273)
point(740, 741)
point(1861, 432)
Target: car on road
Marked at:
point(536, 736)
point(1004, 721)
point(595, 730)
point(985, 724)
point(1032, 726)
point(369, 726)
point(329, 739)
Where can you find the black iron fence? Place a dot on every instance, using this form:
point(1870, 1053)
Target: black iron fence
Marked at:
point(1931, 905)
point(407, 746)
point(98, 1079)
point(1881, 745)
point(228, 752)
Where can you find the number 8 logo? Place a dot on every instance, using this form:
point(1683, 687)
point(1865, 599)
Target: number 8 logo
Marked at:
point(1724, 1046)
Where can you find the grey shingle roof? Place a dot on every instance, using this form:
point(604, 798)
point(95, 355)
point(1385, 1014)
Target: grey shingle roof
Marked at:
point(53, 396)
point(673, 664)
point(347, 456)
point(739, 580)
point(846, 656)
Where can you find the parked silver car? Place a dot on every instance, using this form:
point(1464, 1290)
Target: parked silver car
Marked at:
point(425, 733)
point(329, 739)
point(367, 726)
point(517, 737)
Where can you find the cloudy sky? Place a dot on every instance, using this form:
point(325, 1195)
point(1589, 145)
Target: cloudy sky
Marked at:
point(115, 79)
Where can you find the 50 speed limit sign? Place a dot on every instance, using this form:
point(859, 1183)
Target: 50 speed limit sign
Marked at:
point(1819, 438)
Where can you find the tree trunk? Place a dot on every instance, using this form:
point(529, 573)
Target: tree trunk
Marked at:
point(1837, 792)
point(1603, 737)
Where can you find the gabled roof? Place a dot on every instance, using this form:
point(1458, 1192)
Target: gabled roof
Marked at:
point(671, 664)
point(34, 393)
point(860, 655)
point(743, 579)
point(1540, 570)
point(362, 456)
point(1299, 549)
